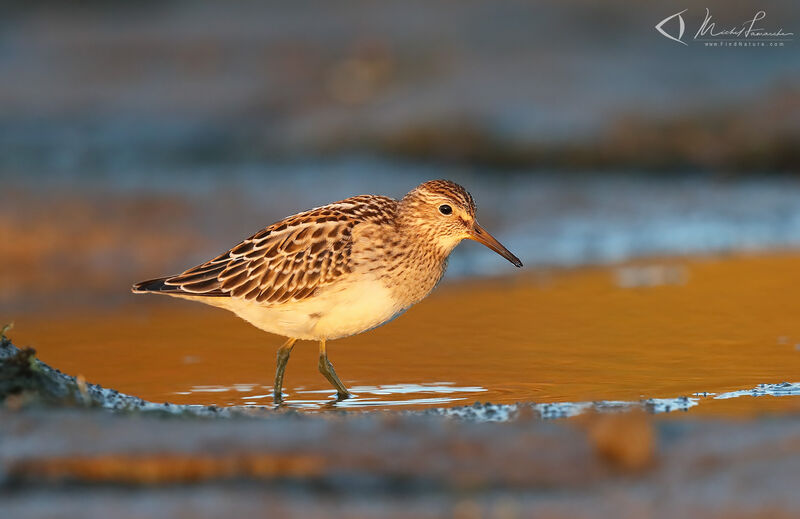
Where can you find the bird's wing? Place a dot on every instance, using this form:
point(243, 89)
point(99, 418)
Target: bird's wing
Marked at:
point(290, 259)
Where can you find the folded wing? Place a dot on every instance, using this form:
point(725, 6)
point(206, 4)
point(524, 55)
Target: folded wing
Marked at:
point(287, 261)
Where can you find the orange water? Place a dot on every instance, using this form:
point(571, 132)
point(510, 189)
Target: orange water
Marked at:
point(658, 328)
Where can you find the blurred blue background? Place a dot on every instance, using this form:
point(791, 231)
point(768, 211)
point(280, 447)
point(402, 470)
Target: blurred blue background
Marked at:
point(140, 139)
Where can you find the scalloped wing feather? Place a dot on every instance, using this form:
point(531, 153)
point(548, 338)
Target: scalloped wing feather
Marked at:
point(288, 260)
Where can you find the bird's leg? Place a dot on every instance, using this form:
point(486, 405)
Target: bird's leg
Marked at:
point(326, 368)
point(283, 357)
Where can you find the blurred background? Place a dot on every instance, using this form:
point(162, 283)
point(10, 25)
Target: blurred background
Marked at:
point(650, 188)
point(139, 139)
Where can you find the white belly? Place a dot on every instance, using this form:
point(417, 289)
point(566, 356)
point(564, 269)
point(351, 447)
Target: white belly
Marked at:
point(336, 311)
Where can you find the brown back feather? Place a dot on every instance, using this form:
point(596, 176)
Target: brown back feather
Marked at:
point(288, 260)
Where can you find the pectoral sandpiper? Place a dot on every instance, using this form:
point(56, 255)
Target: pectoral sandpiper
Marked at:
point(337, 270)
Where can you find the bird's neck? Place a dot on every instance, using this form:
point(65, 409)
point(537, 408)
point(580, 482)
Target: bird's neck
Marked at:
point(420, 266)
point(422, 243)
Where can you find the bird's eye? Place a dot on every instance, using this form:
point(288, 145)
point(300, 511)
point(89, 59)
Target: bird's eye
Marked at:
point(445, 209)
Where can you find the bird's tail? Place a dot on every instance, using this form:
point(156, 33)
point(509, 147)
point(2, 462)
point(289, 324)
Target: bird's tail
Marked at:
point(151, 285)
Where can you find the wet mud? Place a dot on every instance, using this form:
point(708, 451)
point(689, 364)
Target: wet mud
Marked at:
point(71, 448)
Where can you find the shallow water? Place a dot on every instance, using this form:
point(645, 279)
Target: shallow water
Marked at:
point(694, 327)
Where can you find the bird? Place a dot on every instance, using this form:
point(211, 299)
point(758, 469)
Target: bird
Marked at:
point(336, 270)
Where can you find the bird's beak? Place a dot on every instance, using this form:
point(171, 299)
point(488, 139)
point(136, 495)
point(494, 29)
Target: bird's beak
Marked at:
point(480, 235)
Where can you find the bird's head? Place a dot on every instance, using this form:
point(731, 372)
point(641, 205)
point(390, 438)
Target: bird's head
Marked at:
point(444, 212)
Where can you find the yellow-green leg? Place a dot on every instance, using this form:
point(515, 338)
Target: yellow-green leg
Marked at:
point(326, 368)
point(283, 357)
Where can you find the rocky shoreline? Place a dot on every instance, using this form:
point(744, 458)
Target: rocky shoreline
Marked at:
point(63, 454)
point(26, 381)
